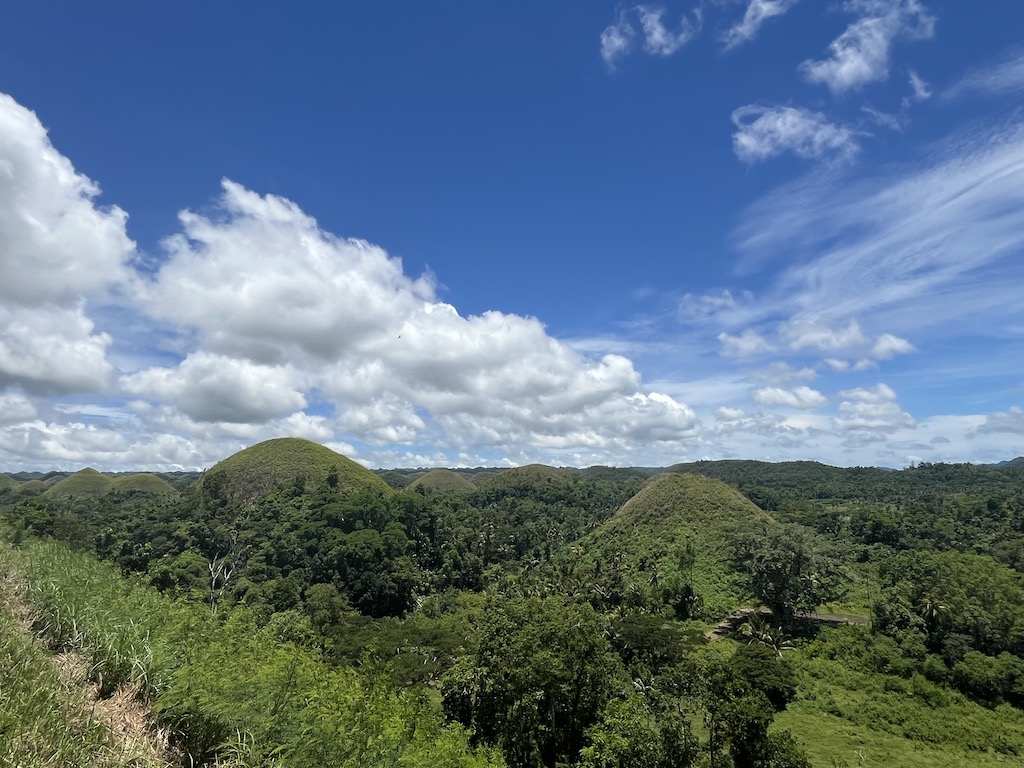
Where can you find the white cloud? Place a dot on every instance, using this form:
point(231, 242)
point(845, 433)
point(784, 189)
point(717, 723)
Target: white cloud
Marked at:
point(1009, 421)
point(748, 343)
point(617, 40)
point(922, 91)
point(56, 248)
point(888, 346)
point(928, 247)
point(55, 244)
point(894, 122)
point(862, 53)
point(757, 13)
point(394, 364)
point(658, 40)
point(799, 397)
point(1002, 78)
point(209, 387)
point(50, 348)
point(725, 413)
point(15, 408)
point(764, 132)
point(806, 333)
point(872, 413)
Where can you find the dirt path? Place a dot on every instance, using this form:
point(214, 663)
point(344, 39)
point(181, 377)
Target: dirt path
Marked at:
point(125, 718)
point(739, 617)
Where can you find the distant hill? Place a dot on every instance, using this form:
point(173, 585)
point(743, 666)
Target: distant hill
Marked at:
point(6, 481)
point(531, 475)
point(85, 482)
point(250, 474)
point(1017, 463)
point(443, 480)
point(143, 482)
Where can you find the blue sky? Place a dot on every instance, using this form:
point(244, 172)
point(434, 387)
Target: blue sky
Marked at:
point(488, 234)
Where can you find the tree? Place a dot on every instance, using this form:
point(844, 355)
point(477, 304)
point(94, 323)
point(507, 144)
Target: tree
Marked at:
point(789, 569)
point(541, 677)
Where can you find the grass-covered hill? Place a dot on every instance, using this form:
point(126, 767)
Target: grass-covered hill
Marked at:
point(6, 481)
point(670, 514)
point(142, 482)
point(443, 480)
point(85, 482)
point(90, 483)
point(250, 474)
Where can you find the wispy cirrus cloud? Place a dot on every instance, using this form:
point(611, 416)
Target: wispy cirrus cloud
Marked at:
point(862, 53)
point(1003, 77)
point(758, 12)
point(763, 132)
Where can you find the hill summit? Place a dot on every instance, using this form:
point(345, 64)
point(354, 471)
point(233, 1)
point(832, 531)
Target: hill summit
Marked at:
point(250, 474)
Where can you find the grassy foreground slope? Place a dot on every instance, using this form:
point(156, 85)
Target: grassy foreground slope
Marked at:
point(224, 684)
point(248, 475)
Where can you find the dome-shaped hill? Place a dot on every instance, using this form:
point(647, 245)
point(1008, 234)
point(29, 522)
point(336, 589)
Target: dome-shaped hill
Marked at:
point(85, 482)
point(670, 499)
point(536, 475)
point(252, 473)
point(443, 480)
point(670, 512)
point(32, 486)
point(6, 481)
point(143, 483)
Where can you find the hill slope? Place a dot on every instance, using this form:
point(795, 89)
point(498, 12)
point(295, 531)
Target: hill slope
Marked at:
point(143, 482)
point(85, 482)
point(250, 474)
point(443, 480)
point(670, 513)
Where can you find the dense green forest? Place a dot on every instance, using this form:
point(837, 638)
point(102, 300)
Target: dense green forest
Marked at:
point(288, 607)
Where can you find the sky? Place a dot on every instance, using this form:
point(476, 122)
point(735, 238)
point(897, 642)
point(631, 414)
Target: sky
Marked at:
point(490, 234)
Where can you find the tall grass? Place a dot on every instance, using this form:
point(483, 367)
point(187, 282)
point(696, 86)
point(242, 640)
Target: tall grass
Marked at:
point(45, 722)
point(229, 689)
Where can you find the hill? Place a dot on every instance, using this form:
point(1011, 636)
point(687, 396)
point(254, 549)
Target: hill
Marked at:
point(6, 481)
point(250, 474)
point(442, 480)
point(671, 514)
point(143, 482)
point(85, 482)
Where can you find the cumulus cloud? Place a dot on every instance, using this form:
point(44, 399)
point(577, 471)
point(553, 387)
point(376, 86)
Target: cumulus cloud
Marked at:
point(15, 408)
point(757, 13)
point(862, 53)
point(266, 293)
point(748, 343)
point(209, 387)
point(56, 248)
point(806, 333)
point(800, 397)
point(765, 132)
point(873, 413)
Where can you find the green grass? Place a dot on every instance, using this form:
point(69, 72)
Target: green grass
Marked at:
point(85, 482)
point(46, 720)
point(670, 511)
point(225, 685)
point(250, 474)
point(443, 480)
point(6, 481)
point(143, 482)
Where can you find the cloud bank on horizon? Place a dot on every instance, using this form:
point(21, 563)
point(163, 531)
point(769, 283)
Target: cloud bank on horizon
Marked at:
point(826, 337)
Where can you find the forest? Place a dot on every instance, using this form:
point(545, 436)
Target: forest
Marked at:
point(288, 607)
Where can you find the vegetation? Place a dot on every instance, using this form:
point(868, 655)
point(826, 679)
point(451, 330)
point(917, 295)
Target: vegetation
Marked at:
point(291, 608)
